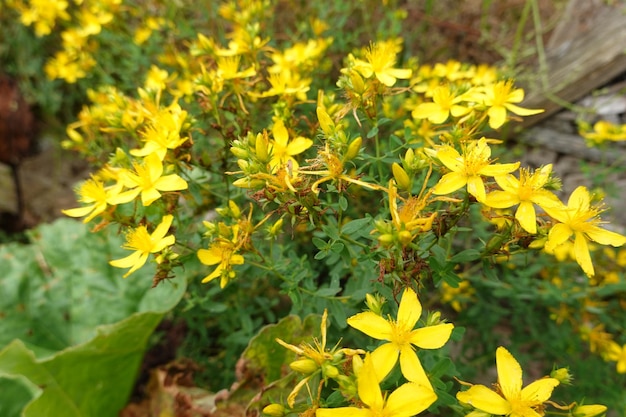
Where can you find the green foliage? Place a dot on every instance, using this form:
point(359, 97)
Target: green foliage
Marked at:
point(68, 323)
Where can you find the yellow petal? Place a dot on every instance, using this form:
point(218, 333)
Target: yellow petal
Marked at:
point(163, 227)
point(79, 211)
point(410, 309)
point(449, 183)
point(386, 78)
point(412, 368)
point(431, 337)
point(521, 111)
point(494, 170)
point(126, 262)
point(149, 196)
point(526, 216)
point(216, 273)
point(509, 374)
point(236, 260)
point(508, 183)
point(450, 158)
point(497, 116)
point(501, 199)
point(281, 136)
point(210, 256)
point(343, 412)
point(605, 237)
point(559, 233)
point(476, 187)
point(409, 399)
point(171, 183)
point(539, 391)
point(372, 325)
point(298, 145)
point(579, 199)
point(484, 399)
point(384, 359)
point(400, 73)
point(164, 243)
point(581, 250)
point(124, 197)
point(367, 385)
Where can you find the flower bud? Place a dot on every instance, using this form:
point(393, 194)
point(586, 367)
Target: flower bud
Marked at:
point(274, 410)
point(375, 303)
point(562, 375)
point(405, 237)
point(402, 178)
point(239, 152)
point(326, 123)
point(591, 410)
point(262, 147)
point(304, 366)
point(386, 239)
point(329, 370)
point(434, 318)
point(353, 149)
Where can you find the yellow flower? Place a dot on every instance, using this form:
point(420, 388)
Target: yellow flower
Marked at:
point(407, 400)
point(500, 97)
point(379, 61)
point(617, 353)
point(222, 253)
point(144, 243)
point(526, 191)
point(163, 133)
point(469, 168)
point(283, 150)
point(148, 179)
point(401, 337)
point(510, 399)
point(578, 218)
point(444, 104)
point(94, 193)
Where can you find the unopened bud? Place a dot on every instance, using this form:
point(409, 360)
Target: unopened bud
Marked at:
point(326, 123)
point(353, 149)
point(239, 152)
point(274, 410)
point(261, 146)
point(386, 239)
point(329, 370)
point(375, 303)
point(402, 178)
point(304, 366)
point(405, 237)
point(562, 375)
point(592, 410)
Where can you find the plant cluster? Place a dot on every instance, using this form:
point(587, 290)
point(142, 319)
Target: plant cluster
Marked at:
point(238, 151)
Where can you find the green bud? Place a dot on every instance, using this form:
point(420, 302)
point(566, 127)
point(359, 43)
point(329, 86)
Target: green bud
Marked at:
point(562, 375)
point(329, 370)
point(239, 152)
point(262, 147)
point(375, 303)
point(386, 239)
point(405, 237)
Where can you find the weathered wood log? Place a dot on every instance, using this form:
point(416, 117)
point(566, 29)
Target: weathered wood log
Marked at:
point(586, 51)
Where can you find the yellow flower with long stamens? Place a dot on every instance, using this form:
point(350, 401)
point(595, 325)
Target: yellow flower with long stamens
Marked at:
point(407, 400)
point(445, 103)
point(223, 253)
point(469, 168)
point(379, 61)
point(580, 219)
point(148, 180)
point(525, 191)
point(163, 133)
point(510, 399)
point(283, 150)
point(144, 243)
point(94, 193)
point(500, 98)
point(401, 337)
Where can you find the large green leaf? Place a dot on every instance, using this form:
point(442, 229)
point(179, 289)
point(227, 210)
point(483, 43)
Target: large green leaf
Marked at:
point(73, 330)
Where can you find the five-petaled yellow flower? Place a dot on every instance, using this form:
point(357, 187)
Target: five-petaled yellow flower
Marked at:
point(526, 192)
point(144, 243)
point(469, 168)
point(94, 193)
point(379, 61)
point(407, 400)
point(510, 399)
point(401, 337)
point(148, 180)
point(500, 97)
point(222, 253)
point(445, 103)
point(578, 218)
point(283, 150)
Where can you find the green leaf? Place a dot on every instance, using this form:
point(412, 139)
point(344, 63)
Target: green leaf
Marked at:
point(72, 329)
point(264, 356)
point(355, 226)
point(465, 256)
